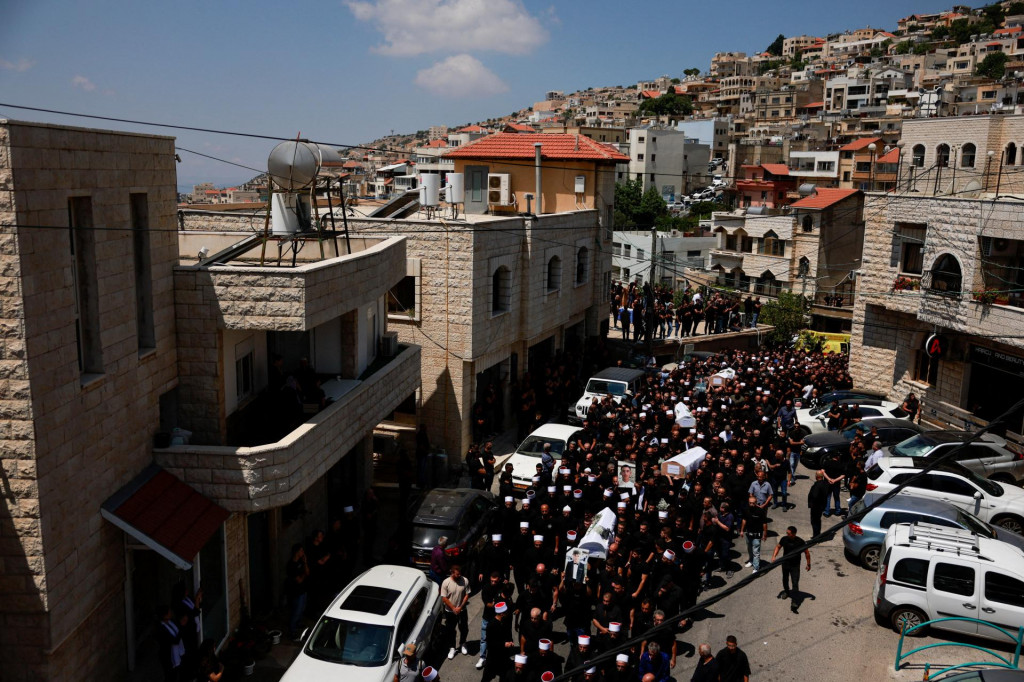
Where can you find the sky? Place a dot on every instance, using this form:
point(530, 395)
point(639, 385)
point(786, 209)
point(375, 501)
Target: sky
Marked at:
point(349, 71)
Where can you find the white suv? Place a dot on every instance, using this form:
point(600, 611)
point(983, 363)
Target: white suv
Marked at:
point(988, 456)
point(816, 420)
point(360, 636)
point(930, 572)
point(996, 503)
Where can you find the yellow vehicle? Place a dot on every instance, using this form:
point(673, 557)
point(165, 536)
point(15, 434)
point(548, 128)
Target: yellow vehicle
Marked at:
point(833, 343)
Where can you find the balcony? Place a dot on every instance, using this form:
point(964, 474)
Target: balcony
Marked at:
point(248, 479)
point(242, 294)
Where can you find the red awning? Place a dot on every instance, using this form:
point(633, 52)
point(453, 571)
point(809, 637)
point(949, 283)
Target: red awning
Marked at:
point(165, 514)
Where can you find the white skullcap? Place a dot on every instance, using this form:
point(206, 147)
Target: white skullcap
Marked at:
point(500, 607)
point(348, 509)
point(615, 627)
point(429, 674)
point(544, 644)
point(524, 524)
point(496, 537)
point(622, 658)
point(538, 538)
point(509, 498)
point(520, 659)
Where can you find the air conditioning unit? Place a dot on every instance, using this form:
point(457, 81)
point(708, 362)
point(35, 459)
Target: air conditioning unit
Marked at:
point(996, 246)
point(389, 344)
point(499, 189)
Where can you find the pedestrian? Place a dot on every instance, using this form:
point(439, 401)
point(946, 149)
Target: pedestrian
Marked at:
point(454, 596)
point(707, 666)
point(790, 544)
point(500, 643)
point(655, 661)
point(170, 648)
point(296, 589)
point(816, 500)
point(733, 665)
point(835, 473)
point(439, 561)
point(754, 528)
point(410, 667)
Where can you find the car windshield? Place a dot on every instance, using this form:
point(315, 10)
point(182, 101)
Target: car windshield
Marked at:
point(534, 446)
point(851, 432)
point(974, 524)
point(604, 386)
point(427, 536)
point(915, 446)
point(818, 411)
point(349, 643)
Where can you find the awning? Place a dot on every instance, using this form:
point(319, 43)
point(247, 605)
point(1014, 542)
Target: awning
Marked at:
point(165, 514)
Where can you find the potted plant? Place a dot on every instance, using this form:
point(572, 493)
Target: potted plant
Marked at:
point(906, 284)
point(989, 296)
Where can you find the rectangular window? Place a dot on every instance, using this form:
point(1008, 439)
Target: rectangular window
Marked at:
point(911, 247)
point(954, 579)
point(627, 249)
point(244, 376)
point(477, 182)
point(639, 157)
point(402, 297)
point(653, 156)
point(640, 254)
point(926, 369)
point(82, 238)
point(846, 176)
point(1004, 589)
point(145, 329)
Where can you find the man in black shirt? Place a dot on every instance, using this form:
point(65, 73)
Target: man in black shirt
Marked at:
point(753, 528)
point(788, 544)
point(733, 665)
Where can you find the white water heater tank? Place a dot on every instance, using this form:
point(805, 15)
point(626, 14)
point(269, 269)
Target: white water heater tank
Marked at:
point(456, 188)
point(431, 186)
point(294, 165)
point(289, 213)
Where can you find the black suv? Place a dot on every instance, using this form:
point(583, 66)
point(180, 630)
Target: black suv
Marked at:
point(463, 515)
point(890, 431)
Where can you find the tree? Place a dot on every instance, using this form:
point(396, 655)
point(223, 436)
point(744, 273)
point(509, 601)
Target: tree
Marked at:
point(635, 208)
point(993, 65)
point(676, 81)
point(691, 72)
point(787, 315)
point(1015, 9)
point(669, 104)
point(904, 47)
point(776, 47)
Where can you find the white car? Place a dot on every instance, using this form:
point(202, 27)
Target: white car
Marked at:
point(525, 459)
point(360, 636)
point(996, 503)
point(816, 420)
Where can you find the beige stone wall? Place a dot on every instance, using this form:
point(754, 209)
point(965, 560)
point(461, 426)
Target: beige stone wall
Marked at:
point(89, 439)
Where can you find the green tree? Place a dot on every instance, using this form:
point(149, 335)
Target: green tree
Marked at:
point(691, 72)
point(676, 81)
point(1014, 9)
point(787, 315)
point(627, 202)
point(993, 65)
point(669, 104)
point(776, 47)
point(904, 47)
point(652, 205)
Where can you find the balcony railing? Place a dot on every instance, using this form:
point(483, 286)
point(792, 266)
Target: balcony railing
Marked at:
point(260, 477)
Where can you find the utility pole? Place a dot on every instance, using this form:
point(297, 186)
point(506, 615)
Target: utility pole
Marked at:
point(654, 255)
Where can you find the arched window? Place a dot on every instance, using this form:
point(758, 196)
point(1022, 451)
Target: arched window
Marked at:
point(942, 155)
point(807, 223)
point(967, 154)
point(1010, 158)
point(742, 281)
point(946, 277)
point(767, 284)
point(771, 245)
point(501, 290)
point(554, 274)
point(582, 264)
point(918, 156)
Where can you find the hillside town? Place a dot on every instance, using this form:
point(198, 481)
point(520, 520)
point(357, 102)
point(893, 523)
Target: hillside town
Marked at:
point(557, 395)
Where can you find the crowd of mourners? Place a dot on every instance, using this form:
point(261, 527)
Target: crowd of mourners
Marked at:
point(679, 313)
point(673, 535)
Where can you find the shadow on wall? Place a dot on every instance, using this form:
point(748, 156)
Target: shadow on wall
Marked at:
point(441, 404)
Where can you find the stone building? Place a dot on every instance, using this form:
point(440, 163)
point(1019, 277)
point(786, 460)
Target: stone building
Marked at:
point(141, 449)
point(948, 266)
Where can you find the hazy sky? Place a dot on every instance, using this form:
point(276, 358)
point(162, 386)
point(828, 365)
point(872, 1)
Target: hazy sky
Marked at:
point(348, 71)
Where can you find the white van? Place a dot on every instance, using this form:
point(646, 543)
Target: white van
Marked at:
point(525, 459)
point(617, 382)
point(928, 572)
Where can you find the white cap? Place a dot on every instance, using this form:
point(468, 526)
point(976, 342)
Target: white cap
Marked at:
point(764, 419)
point(571, 535)
point(566, 488)
point(567, 508)
point(524, 524)
point(552, 488)
point(592, 670)
point(700, 436)
point(686, 399)
point(538, 538)
point(622, 505)
point(509, 498)
point(348, 509)
point(669, 554)
point(664, 441)
point(563, 470)
point(544, 645)
point(625, 427)
point(663, 514)
point(496, 537)
point(622, 658)
point(614, 627)
point(623, 496)
point(535, 479)
point(429, 673)
point(520, 659)
point(577, 493)
point(607, 493)
point(693, 430)
point(668, 412)
point(500, 607)
point(767, 392)
point(583, 639)
point(643, 414)
point(529, 496)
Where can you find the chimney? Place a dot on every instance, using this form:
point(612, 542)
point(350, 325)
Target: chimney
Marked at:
point(536, 164)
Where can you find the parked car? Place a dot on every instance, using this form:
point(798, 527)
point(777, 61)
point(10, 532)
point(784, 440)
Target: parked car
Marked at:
point(931, 572)
point(816, 420)
point(891, 430)
point(848, 394)
point(996, 503)
point(988, 456)
point(863, 540)
point(525, 459)
point(463, 515)
point(361, 634)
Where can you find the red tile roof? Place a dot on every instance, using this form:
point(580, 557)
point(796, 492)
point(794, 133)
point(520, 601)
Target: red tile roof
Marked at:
point(776, 168)
point(891, 156)
point(165, 514)
point(521, 127)
point(824, 197)
point(437, 143)
point(553, 146)
point(813, 105)
point(651, 94)
point(472, 129)
point(862, 143)
point(1007, 31)
point(993, 44)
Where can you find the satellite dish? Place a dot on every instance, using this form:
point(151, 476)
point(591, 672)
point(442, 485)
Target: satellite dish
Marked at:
point(294, 165)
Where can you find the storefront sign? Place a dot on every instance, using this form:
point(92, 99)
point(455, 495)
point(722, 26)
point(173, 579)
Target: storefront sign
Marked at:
point(935, 346)
point(1011, 364)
